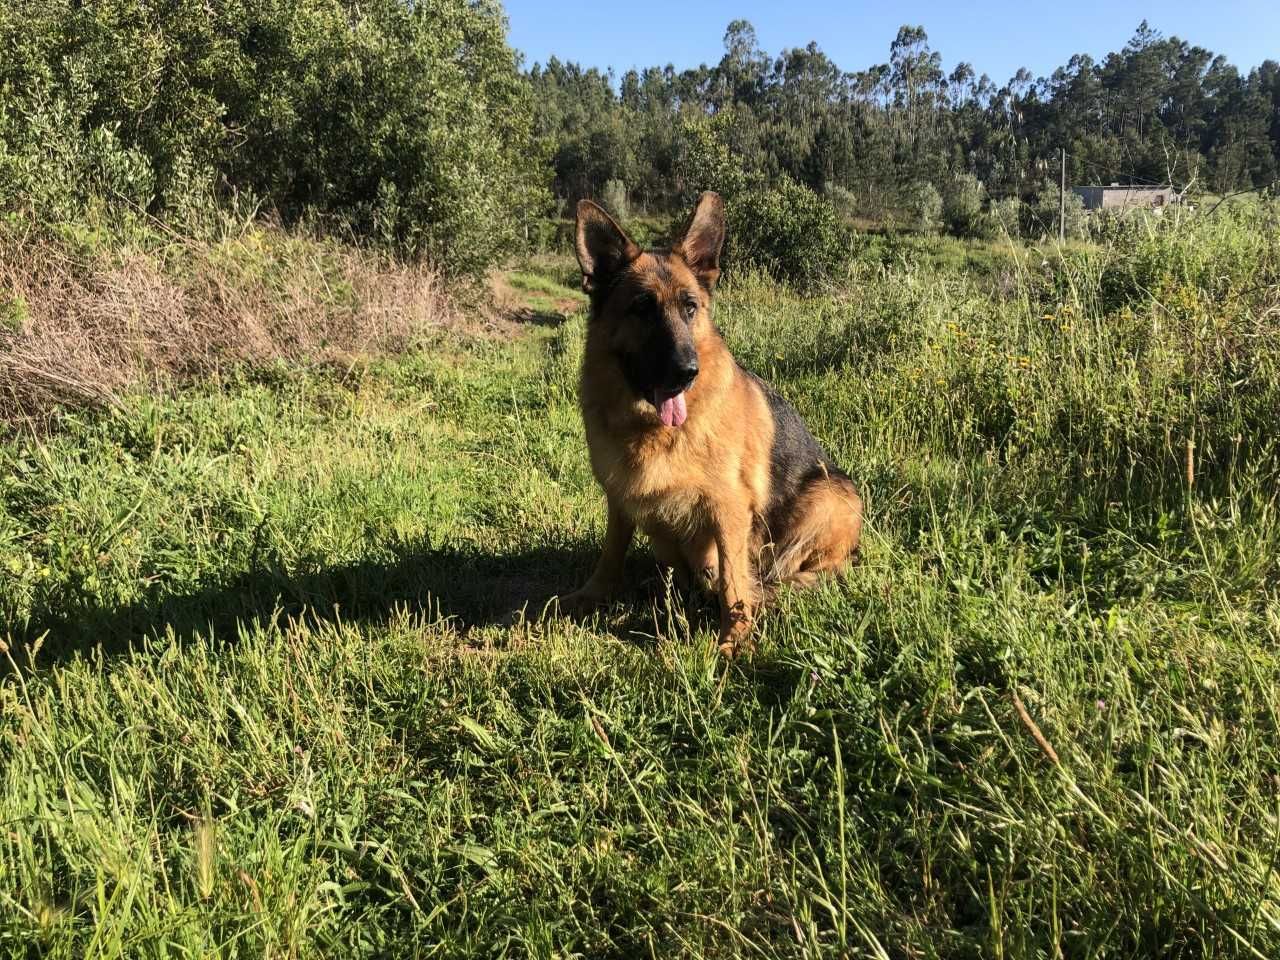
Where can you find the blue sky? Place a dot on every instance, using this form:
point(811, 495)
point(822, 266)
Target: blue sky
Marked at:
point(996, 36)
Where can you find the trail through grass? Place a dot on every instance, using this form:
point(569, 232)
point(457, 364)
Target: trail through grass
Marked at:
point(279, 681)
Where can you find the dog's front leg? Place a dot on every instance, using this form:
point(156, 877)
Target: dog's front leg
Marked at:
point(607, 578)
point(738, 591)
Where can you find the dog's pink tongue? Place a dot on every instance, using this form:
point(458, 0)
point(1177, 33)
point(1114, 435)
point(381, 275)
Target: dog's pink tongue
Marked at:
point(672, 411)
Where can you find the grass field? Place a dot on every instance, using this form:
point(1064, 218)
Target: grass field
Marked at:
point(279, 681)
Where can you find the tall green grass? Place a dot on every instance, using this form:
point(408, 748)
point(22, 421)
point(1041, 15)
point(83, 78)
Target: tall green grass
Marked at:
point(279, 681)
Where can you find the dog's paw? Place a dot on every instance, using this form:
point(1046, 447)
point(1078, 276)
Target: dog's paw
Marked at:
point(735, 633)
point(581, 602)
point(732, 647)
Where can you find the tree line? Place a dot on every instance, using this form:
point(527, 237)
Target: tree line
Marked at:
point(905, 134)
point(415, 127)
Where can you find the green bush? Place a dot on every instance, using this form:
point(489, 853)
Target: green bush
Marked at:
point(923, 205)
point(779, 226)
point(1006, 216)
point(1043, 212)
point(788, 231)
point(614, 198)
point(655, 231)
point(962, 207)
point(408, 124)
point(54, 165)
point(844, 200)
point(704, 160)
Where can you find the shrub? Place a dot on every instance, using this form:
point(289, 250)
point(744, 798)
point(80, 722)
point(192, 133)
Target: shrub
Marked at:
point(844, 200)
point(781, 226)
point(788, 231)
point(1044, 213)
point(704, 160)
point(54, 165)
point(408, 124)
point(614, 198)
point(654, 231)
point(1006, 216)
point(923, 205)
point(962, 207)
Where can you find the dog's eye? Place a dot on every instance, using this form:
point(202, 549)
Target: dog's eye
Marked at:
point(690, 308)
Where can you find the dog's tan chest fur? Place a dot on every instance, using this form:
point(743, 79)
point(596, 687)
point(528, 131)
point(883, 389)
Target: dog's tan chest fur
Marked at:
point(675, 478)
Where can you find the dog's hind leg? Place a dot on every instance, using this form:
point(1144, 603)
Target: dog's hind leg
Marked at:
point(821, 533)
point(703, 559)
point(693, 562)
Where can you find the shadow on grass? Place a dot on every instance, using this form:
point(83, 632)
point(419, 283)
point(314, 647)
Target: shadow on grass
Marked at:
point(468, 589)
point(540, 318)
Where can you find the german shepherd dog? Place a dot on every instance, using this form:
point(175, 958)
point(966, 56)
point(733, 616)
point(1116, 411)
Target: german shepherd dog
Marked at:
point(704, 457)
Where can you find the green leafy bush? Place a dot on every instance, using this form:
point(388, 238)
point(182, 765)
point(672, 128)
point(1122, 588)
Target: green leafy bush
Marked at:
point(779, 226)
point(788, 231)
point(923, 205)
point(1044, 213)
point(1006, 216)
point(844, 200)
point(705, 162)
point(408, 124)
point(614, 198)
point(962, 207)
point(54, 165)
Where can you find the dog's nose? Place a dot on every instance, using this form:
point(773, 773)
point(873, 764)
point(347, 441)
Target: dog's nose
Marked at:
point(686, 371)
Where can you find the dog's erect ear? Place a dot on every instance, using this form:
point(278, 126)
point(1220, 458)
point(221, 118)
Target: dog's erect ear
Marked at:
point(603, 249)
point(703, 238)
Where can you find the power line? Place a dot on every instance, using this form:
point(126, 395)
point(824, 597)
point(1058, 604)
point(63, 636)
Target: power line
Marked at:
point(1115, 172)
point(1112, 171)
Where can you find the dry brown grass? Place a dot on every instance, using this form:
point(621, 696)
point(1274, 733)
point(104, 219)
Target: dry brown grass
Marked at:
point(80, 323)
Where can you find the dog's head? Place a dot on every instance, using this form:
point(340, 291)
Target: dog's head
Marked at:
point(653, 305)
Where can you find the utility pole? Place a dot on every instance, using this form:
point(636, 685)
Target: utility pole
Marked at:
point(1062, 199)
